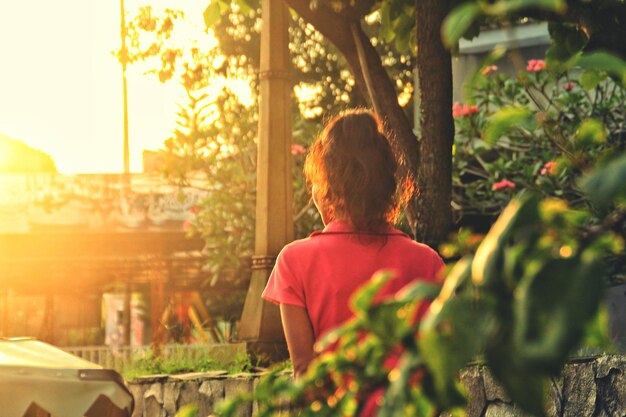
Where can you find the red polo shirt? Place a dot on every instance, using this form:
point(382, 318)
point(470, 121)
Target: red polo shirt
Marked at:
point(321, 272)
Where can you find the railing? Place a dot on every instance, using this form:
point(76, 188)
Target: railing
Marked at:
point(122, 357)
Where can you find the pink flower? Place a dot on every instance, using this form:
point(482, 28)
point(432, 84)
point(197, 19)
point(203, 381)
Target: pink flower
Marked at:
point(535, 65)
point(502, 185)
point(459, 109)
point(297, 149)
point(549, 168)
point(489, 69)
point(568, 86)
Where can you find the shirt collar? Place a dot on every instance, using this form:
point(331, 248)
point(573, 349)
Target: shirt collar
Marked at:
point(338, 226)
point(342, 226)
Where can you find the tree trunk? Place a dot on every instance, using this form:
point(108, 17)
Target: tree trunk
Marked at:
point(434, 68)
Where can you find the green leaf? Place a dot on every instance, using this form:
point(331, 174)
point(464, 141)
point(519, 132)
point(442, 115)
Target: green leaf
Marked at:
point(567, 41)
point(471, 85)
point(418, 291)
point(457, 277)
point(488, 260)
point(551, 309)
point(525, 388)
point(604, 61)
point(212, 14)
point(386, 29)
point(451, 338)
point(398, 395)
point(506, 119)
point(505, 7)
point(364, 297)
point(607, 184)
point(458, 22)
point(389, 321)
point(590, 132)
point(591, 78)
point(402, 42)
point(190, 410)
point(224, 5)
point(245, 5)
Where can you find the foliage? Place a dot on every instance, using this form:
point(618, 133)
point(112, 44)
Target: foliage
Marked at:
point(323, 82)
point(523, 302)
point(597, 24)
point(150, 365)
point(17, 157)
point(190, 410)
point(213, 149)
point(538, 130)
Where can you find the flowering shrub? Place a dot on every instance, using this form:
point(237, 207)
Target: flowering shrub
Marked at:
point(535, 65)
point(537, 130)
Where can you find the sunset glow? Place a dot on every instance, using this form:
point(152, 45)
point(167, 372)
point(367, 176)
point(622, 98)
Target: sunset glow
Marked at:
point(61, 87)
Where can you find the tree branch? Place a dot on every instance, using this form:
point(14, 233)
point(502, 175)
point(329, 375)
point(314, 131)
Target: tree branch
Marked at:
point(342, 29)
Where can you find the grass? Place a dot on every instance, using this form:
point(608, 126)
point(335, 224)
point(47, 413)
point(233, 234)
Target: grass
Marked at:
point(150, 365)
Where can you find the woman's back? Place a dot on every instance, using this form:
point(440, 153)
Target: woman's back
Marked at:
point(322, 272)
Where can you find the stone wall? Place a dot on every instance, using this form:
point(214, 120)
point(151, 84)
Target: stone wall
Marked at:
point(164, 395)
point(590, 387)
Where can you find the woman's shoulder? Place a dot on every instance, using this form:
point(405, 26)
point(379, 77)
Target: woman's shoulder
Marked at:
point(298, 247)
point(415, 249)
point(406, 241)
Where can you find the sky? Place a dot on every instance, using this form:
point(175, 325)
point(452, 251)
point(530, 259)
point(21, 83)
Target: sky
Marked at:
point(61, 89)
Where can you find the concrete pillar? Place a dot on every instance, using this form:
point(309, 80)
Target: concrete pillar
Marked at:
point(260, 322)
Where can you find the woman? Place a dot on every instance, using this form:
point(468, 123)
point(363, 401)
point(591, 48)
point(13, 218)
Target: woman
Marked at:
point(352, 172)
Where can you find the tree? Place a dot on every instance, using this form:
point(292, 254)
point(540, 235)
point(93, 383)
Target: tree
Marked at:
point(213, 148)
point(18, 157)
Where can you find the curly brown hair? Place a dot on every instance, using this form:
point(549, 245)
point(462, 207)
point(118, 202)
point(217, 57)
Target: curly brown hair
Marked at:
point(353, 169)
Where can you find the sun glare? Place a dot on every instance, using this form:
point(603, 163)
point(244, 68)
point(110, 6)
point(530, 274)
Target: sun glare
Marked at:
point(5, 157)
point(64, 53)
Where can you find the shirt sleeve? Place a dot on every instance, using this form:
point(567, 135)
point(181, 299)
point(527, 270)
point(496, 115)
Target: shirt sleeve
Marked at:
point(284, 286)
point(438, 267)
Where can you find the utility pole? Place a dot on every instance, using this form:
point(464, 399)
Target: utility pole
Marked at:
point(124, 61)
point(126, 176)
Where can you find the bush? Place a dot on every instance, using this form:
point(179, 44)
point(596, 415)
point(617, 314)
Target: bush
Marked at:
point(536, 130)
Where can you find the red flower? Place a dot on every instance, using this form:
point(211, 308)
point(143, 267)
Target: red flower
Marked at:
point(568, 86)
point(459, 109)
point(535, 65)
point(297, 149)
point(549, 168)
point(489, 69)
point(502, 185)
